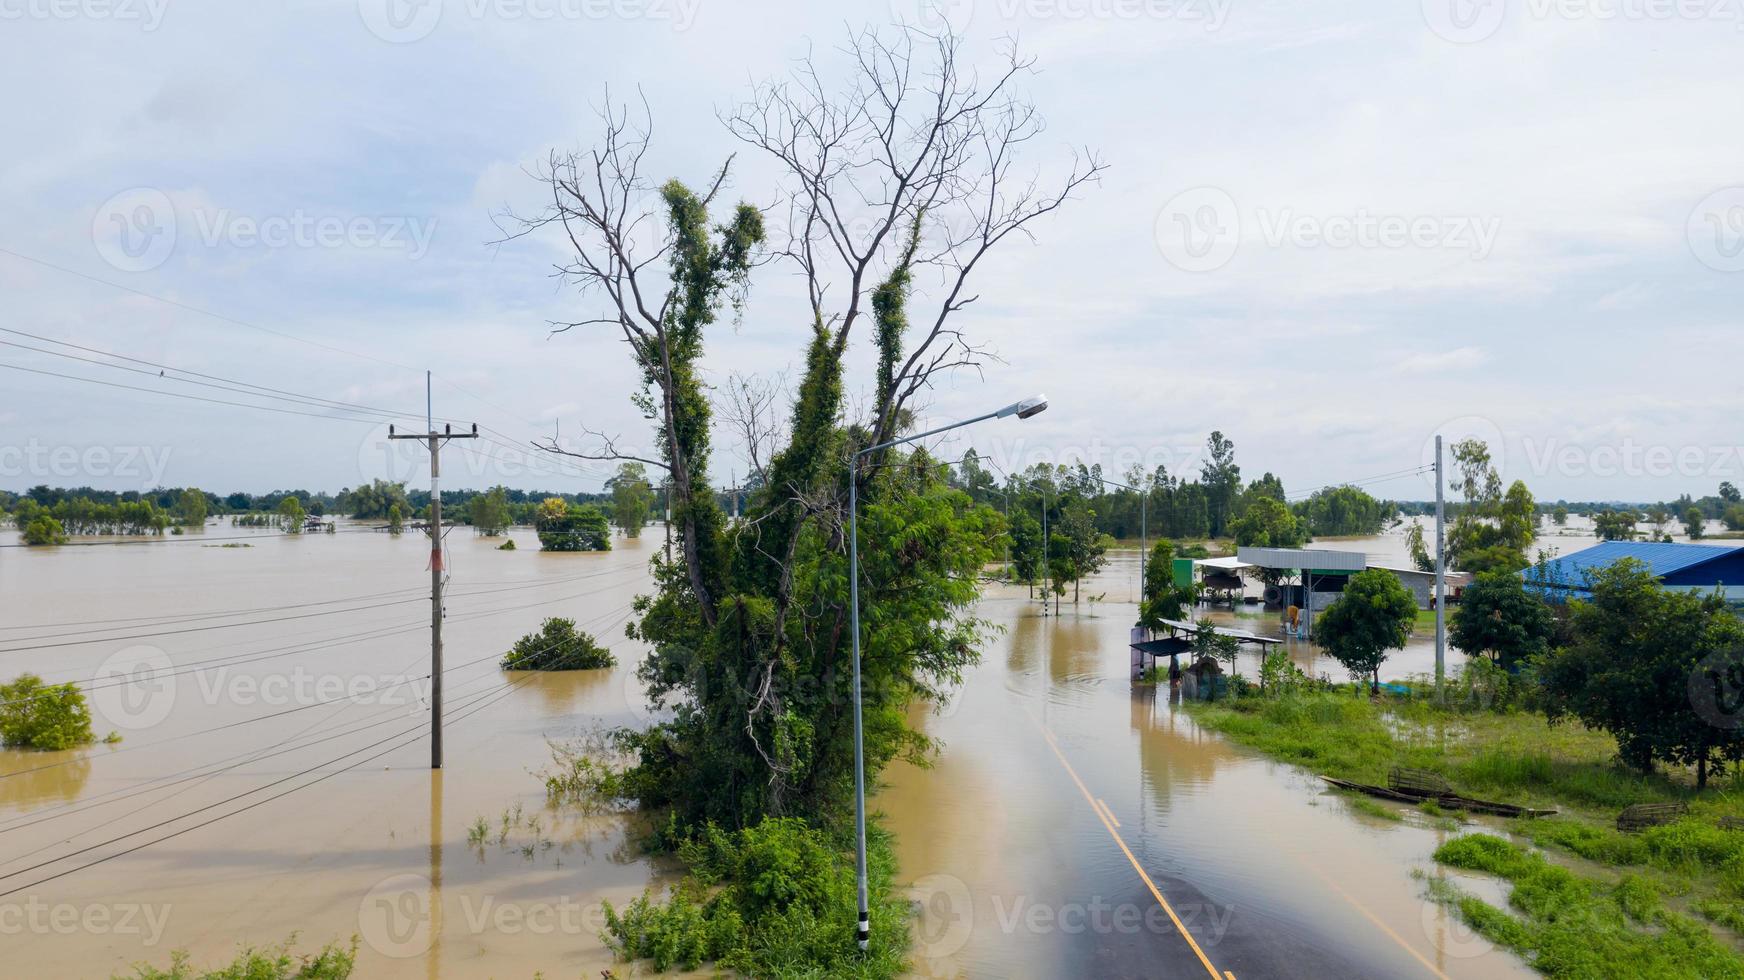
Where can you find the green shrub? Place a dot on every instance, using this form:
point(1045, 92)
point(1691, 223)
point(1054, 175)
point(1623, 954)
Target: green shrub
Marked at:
point(558, 645)
point(268, 963)
point(43, 530)
point(43, 716)
point(775, 899)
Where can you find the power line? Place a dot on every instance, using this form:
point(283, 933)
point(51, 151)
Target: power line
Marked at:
point(243, 758)
point(511, 688)
point(180, 394)
point(222, 384)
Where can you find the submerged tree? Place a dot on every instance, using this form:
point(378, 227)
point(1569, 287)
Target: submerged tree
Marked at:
point(1163, 598)
point(1493, 527)
point(632, 498)
point(906, 170)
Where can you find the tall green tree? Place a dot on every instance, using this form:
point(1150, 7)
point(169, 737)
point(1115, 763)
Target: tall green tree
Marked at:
point(1222, 479)
point(1375, 614)
point(1496, 617)
point(1615, 525)
point(191, 507)
point(1344, 510)
point(1268, 523)
point(1694, 523)
point(292, 515)
point(1657, 669)
point(1493, 527)
point(488, 512)
point(1163, 599)
point(748, 624)
point(632, 498)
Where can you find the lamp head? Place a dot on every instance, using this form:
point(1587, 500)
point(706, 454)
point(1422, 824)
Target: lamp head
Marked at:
point(1025, 409)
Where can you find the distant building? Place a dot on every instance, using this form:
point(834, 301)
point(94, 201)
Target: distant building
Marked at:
point(1680, 567)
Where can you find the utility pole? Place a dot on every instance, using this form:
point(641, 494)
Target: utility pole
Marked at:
point(435, 440)
point(1440, 577)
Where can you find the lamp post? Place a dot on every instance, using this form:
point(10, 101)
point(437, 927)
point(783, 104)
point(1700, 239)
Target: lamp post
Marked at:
point(1024, 409)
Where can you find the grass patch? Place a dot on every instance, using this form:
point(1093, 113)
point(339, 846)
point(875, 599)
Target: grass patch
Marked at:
point(332, 962)
point(1570, 926)
point(1517, 757)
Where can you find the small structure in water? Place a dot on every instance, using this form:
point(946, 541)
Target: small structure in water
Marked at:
point(1176, 640)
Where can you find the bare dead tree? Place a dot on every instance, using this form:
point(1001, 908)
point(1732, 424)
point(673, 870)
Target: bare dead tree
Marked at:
point(612, 219)
point(914, 140)
point(753, 410)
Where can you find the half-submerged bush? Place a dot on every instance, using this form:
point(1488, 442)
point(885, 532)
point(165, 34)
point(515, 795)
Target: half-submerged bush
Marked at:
point(333, 962)
point(558, 645)
point(43, 716)
point(773, 899)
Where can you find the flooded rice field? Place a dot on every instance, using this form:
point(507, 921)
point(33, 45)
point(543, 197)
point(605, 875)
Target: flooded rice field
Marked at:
point(275, 779)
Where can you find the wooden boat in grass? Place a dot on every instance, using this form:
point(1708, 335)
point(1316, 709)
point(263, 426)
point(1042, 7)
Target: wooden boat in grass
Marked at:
point(1447, 800)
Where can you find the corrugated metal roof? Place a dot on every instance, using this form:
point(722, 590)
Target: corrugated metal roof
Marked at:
point(1318, 559)
point(1661, 558)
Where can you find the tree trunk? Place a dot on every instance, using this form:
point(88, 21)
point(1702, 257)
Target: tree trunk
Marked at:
point(1702, 771)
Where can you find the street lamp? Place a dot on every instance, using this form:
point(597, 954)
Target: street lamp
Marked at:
point(1027, 408)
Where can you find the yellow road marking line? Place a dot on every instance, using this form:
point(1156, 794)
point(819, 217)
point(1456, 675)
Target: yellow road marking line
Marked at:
point(1431, 967)
point(1112, 832)
point(1228, 975)
point(1107, 810)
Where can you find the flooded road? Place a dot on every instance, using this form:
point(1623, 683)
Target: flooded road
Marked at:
point(277, 781)
point(1064, 794)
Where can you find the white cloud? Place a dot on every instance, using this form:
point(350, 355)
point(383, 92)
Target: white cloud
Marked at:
point(1457, 359)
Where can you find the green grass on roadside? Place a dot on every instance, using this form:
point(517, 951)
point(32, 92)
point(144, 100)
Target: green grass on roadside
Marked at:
point(1517, 757)
point(1569, 926)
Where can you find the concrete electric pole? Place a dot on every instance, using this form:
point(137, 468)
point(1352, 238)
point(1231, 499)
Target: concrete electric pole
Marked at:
point(1440, 577)
point(435, 440)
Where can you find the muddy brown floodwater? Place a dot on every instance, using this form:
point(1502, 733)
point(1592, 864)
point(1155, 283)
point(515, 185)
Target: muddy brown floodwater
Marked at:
point(1073, 825)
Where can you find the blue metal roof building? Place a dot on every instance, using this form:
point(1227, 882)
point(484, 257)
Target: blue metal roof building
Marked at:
point(1677, 566)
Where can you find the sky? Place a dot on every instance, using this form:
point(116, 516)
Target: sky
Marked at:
point(1329, 231)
